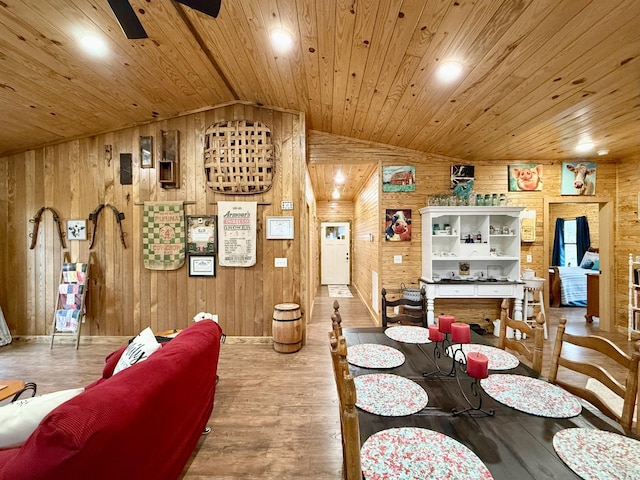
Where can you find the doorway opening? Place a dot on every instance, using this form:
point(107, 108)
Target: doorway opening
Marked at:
point(604, 234)
point(335, 253)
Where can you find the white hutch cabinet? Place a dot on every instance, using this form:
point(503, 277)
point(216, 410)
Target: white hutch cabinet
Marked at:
point(471, 252)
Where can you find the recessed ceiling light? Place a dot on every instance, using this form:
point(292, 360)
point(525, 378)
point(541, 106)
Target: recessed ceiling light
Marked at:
point(94, 45)
point(449, 71)
point(339, 178)
point(583, 147)
point(602, 151)
point(281, 40)
point(336, 194)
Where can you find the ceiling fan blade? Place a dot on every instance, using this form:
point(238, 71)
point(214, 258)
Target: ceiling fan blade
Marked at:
point(208, 7)
point(127, 19)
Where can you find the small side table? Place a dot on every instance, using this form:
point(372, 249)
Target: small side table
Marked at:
point(593, 296)
point(10, 387)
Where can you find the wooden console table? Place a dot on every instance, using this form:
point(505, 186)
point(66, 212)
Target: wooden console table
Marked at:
point(593, 296)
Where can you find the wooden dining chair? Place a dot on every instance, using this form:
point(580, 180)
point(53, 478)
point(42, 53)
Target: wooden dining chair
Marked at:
point(336, 319)
point(413, 312)
point(535, 332)
point(594, 350)
point(349, 423)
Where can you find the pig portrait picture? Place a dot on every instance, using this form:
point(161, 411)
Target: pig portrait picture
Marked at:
point(525, 178)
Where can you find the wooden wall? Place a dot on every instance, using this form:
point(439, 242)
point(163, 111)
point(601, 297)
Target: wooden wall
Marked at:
point(627, 233)
point(335, 211)
point(74, 177)
point(366, 242)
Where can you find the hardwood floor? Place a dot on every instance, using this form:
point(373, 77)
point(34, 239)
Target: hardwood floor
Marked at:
point(275, 415)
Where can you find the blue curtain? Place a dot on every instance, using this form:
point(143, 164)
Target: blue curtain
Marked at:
point(583, 241)
point(557, 256)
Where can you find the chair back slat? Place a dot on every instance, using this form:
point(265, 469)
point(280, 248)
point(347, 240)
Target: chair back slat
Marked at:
point(601, 348)
point(414, 312)
point(346, 388)
point(536, 332)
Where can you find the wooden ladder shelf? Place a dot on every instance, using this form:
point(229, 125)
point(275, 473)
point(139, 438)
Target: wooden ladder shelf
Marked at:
point(70, 301)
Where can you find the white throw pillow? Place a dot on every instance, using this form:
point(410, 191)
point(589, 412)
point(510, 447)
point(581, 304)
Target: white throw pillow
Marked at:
point(589, 257)
point(138, 350)
point(19, 419)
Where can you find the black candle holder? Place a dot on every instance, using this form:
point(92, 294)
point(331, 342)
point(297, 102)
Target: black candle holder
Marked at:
point(475, 408)
point(440, 350)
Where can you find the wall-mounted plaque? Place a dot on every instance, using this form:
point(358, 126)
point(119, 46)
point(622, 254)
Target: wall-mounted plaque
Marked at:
point(146, 152)
point(201, 234)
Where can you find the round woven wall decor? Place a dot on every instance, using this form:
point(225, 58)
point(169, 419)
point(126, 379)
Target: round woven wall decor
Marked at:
point(238, 157)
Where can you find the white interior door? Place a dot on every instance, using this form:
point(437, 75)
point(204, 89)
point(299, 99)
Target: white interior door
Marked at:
point(335, 268)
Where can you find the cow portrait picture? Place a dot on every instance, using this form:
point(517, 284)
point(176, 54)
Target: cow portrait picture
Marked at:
point(525, 178)
point(399, 179)
point(398, 225)
point(578, 178)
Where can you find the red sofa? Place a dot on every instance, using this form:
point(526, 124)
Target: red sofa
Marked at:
point(142, 423)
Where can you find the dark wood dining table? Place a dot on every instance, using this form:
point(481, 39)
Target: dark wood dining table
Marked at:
point(512, 444)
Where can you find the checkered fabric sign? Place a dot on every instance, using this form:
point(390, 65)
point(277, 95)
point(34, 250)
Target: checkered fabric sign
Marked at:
point(163, 235)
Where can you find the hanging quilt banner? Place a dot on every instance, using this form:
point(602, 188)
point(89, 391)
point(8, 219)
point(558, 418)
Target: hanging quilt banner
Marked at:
point(163, 235)
point(237, 233)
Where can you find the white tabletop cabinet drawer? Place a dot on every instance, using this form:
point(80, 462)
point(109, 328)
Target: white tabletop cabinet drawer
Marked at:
point(455, 291)
point(496, 290)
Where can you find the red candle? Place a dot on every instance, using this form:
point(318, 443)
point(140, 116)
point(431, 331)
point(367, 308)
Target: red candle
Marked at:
point(435, 335)
point(477, 365)
point(460, 332)
point(444, 323)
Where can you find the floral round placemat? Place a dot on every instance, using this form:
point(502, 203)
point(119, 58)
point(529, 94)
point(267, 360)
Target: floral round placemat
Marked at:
point(373, 355)
point(418, 453)
point(596, 455)
point(408, 334)
point(498, 359)
point(389, 395)
point(531, 395)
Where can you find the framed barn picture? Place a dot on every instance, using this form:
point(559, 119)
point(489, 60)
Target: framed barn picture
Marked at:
point(399, 179)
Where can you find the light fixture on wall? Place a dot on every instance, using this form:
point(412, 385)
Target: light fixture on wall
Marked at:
point(335, 194)
point(449, 71)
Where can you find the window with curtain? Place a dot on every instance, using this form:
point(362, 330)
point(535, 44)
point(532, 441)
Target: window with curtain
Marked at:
point(571, 240)
point(570, 244)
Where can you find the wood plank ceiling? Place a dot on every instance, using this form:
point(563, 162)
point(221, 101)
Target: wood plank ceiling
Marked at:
point(538, 77)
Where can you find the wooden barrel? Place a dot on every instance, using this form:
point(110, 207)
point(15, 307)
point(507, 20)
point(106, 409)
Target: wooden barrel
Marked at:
point(287, 328)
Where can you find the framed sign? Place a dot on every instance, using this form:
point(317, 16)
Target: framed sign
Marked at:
point(146, 152)
point(202, 266)
point(76, 230)
point(201, 234)
point(279, 228)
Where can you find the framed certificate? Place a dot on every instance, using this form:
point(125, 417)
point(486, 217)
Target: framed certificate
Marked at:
point(202, 266)
point(201, 234)
point(279, 228)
